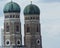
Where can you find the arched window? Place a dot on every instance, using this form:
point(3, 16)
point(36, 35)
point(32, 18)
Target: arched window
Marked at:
point(17, 16)
point(7, 16)
point(10, 16)
point(26, 18)
point(7, 28)
point(38, 28)
point(33, 17)
point(17, 28)
point(13, 16)
point(28, 29)
point(37, 18)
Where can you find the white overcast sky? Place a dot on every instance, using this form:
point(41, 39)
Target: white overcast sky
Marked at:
point(49, 19)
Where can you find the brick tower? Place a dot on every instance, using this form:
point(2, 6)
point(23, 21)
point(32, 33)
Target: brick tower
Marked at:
point(12, 26)
point(32, 30)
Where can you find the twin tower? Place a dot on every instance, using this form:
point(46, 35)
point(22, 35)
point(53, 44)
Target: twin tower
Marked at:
point(12, 26)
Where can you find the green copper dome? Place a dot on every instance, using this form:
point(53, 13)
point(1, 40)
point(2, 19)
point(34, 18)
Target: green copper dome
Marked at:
point(11, 7)
point(31, 9)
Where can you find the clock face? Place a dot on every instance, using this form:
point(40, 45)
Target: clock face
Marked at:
point(7, 42)
point(38, 41)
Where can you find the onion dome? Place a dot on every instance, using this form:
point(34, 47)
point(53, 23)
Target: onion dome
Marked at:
point(31, 10)
point(11, 7)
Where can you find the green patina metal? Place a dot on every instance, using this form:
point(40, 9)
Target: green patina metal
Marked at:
point(11, 7)
point(31, 9)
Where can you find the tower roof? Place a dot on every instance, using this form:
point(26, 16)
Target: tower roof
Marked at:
point(11, 7)
point(31, 9)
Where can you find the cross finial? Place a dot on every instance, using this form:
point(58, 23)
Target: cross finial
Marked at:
point(31, 2)
point(11, 0)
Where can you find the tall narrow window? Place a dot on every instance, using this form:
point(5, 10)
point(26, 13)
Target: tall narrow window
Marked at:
point(33, 17)
point(6, 16)
point(37, 18)
point(10, 16)
point(28, 29)
point(18, 42)
point(18, 16)
point(17, 28)
point(13, 16)
point(37, 29)
point(25, 18)
point(7, 28)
